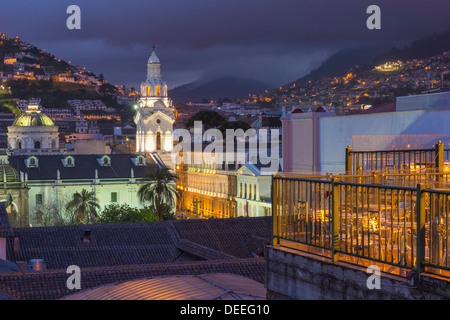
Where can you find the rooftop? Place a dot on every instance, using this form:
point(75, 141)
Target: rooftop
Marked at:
point(137, 243)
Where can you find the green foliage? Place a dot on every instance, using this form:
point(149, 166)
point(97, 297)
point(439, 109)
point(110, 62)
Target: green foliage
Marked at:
point(159, 189)
point(234, 125)
point(210, 119)
point(118, 213)
point(83, 207)
point(7, 104)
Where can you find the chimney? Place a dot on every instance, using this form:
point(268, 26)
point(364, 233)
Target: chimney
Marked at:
point(86, 236)
point(2, 248)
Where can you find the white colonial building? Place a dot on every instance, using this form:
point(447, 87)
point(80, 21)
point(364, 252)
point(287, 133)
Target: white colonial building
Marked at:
point(155, 113)
point(253, 198)
point(33, 133)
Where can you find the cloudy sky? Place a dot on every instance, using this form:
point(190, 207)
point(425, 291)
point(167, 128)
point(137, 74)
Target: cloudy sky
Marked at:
point(273, 41)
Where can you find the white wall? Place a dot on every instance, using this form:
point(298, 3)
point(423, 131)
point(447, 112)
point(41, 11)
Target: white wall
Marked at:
point(335, 133)
point(60, 194)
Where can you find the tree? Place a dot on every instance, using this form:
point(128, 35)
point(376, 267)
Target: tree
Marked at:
point(159, 189)
point(234, 125)
point(83, 206)
point(118, 213)
point(210, 119)
point(52, 213)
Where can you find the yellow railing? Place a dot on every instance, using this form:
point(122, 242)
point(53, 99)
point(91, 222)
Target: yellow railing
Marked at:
point(400, 228)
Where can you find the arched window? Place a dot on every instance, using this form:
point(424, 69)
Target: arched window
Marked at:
point(19, 145)
point(148, 91)
point(37, 144)
point(157, 90)
point(32, 161)
point(53, 144)
point(69, 161)
point(158, 140)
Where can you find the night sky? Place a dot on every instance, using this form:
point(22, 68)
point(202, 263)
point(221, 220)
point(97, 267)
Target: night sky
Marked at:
point(273, 41)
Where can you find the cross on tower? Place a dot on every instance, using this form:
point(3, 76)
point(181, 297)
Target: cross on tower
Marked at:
point(154, 47)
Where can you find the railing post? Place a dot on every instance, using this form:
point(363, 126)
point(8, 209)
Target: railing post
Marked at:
point(348, 159)
point(274, 210)
point(420, 215)
point(335, 221)
point(439, 157)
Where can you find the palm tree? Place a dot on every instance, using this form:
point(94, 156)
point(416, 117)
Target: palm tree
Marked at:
point(158, 187)
point(84, 205)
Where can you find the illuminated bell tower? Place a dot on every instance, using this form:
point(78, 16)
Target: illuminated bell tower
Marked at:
point(155, 113)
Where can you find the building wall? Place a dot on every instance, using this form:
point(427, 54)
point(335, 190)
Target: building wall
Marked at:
point(300, 276)
point(20, 196)
point(429, 101)
point(317, 141)
point(57, 195)
point(300, 141)
point(336, 133)
point(206, 195)
point(253, 196)
point(47, 136)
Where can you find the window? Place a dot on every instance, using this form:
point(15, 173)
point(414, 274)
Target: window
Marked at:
point(39, 198)
point(113, 196)
point(104, 161)
point(37, 144)
point(33, 162)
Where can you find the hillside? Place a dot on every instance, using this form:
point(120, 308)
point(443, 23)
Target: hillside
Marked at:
point(418, 49)
point(29, 72)
point(226, 87)
point(342, 61)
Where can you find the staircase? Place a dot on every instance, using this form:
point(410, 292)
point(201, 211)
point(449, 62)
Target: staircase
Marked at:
point(163, 159)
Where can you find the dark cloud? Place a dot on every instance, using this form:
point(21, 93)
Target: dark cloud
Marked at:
point(275, 41)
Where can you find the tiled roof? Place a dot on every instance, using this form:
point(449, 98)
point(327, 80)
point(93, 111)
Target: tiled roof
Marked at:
point(138, 243)
point(85, 166)
point(51, 284)
point(110, 244)
point(212, 286)
point(202, 251)
point(230, 236)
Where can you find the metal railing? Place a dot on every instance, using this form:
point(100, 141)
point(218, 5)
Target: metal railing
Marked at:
point(396, 161)
point(397, 226)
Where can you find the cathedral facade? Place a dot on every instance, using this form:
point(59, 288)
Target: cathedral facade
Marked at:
point(155, 113)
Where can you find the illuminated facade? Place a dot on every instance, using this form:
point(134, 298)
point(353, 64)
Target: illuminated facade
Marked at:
point(33, 132)
point(155, 113)
point(207, 191)
point(253, 198)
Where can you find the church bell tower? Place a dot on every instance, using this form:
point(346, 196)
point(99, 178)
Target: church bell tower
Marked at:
point(155, 113)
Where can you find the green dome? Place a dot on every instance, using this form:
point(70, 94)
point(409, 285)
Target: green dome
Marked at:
point(33, 119)
point(10, 173)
